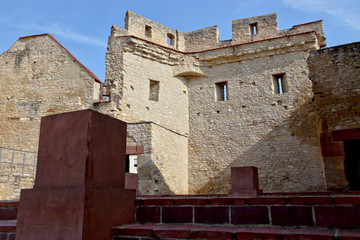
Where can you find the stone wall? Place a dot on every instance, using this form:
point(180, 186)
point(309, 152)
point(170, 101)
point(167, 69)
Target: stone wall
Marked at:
point(155, 32)
point(255, 126)
point(11, 185)
point(195, 105)
point(162, 158)
point(39, 77)
point(335, 73)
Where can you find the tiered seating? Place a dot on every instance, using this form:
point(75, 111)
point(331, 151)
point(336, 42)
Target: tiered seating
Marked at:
point(268, 216)
point(8, 214)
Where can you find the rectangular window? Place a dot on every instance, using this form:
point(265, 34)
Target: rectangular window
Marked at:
point(221, 91)
point(131, 164)
point(148, 31)
point(279, 83)
point(253, 29)
point(154, 90)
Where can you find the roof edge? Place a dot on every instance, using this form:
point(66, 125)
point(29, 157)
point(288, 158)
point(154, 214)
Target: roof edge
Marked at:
point(53, 38)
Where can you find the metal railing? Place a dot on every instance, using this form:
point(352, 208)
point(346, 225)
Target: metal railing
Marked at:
point(18, 161)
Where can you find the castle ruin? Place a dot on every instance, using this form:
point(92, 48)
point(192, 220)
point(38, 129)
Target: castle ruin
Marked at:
point(197, 106)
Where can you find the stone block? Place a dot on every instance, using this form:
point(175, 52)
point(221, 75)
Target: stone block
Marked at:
point(333, 149)
point(347, 200)
point(138, 230)
point(337, 216)
point(310, 200)
point(73, 212)
point(214, 232)
point(291, 216)
point(131, 181)
point(227, 201)
point(266, 201)
point(212, 215)
point(81, 148)
point(8, 213)
point(177, 214)
point(158, 201)
point(176, 231)
point(148, 214)
point(315, 234)
point(190, 201)
point(249, 215)
point(348, 134)
point(259, 233)
point(244, 181)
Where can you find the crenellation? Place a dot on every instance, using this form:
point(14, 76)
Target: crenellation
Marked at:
point(150, 30)
point(202, 39)
point(254, 28)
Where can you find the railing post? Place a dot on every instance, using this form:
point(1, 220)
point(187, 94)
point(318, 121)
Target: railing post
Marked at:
point(0, 153)
point(12, 161)
point(34, 165)
point(23, 165)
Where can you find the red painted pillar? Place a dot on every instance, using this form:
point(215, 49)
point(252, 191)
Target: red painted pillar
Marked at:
point(79, 190)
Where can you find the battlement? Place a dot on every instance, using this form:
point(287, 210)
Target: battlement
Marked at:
point(245, 30)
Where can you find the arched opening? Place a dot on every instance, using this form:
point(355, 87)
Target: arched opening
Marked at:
point(170, 39)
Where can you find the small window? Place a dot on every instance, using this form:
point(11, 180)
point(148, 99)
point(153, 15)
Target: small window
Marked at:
point(279, 83)
point(154, 90)
point(131, 164)
point(148, 31)
point(253, 29)
point(170, 39)
point(221, 91)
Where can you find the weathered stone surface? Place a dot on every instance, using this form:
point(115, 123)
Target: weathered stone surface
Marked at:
point(335, 73)
point(169, 86)
point(38, 77)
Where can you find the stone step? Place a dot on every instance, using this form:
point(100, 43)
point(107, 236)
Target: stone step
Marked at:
point(166, 231)
point(7, 230)
point(334, 211)
point(8, 210)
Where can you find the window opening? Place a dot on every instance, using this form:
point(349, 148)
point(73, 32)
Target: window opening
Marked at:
point(279, 83)
point(253, 29)
point(154, 90)
point(170, 39)
point(221, 91)
point(148, 31)
point(131, 164)
point(127, 163)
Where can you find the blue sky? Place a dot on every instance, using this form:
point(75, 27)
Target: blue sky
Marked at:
point(83, 27)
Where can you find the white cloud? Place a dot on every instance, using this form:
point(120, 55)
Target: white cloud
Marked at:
point(347, 12)
point(56, 30)
point(66, 33)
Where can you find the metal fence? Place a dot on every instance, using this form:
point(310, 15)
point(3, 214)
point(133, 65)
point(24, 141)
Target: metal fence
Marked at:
point(18, 161)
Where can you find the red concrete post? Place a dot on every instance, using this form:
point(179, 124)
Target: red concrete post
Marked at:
point(131, 181)
point(244, 181)
point(79, 190)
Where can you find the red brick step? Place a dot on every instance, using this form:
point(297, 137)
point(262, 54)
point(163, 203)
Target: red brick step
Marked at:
point(167, 231)
point(7, 230)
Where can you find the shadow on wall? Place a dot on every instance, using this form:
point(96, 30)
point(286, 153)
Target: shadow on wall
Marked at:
point(151, 181)
point(288, 157)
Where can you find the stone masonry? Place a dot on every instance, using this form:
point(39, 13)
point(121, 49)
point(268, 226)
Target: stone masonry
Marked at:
point(178, 80)
point(195, 106)
point(335, 73)
point(38, 77)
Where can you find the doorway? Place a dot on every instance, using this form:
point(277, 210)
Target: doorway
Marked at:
point(352, 163)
